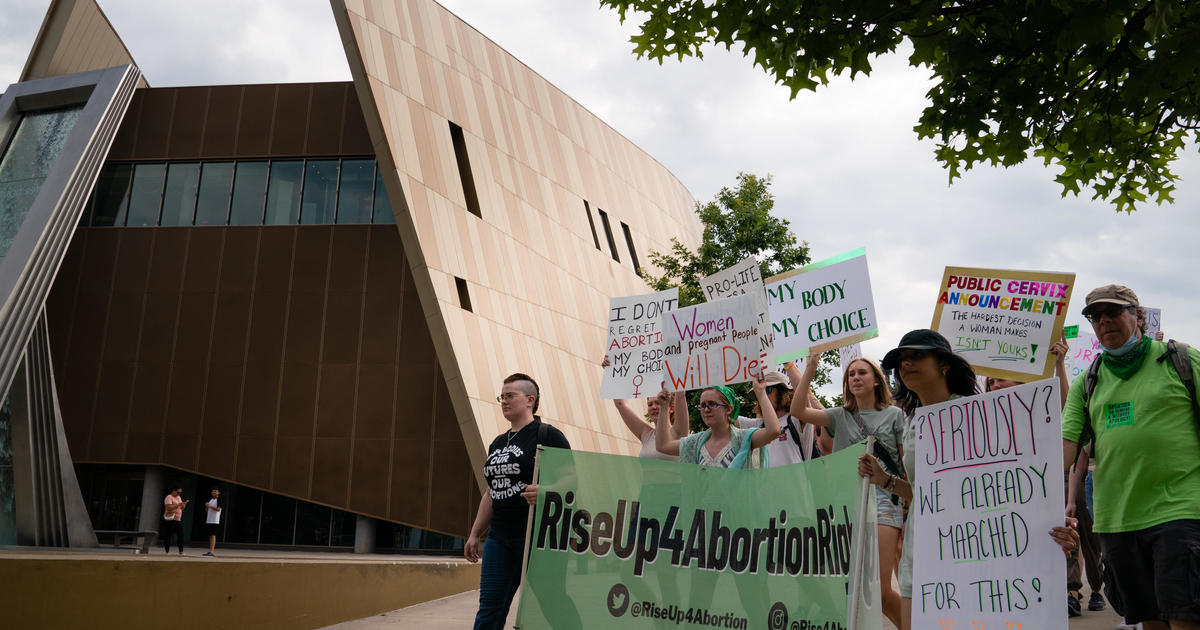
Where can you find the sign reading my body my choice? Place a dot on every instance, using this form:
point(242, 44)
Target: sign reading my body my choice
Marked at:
point(1003, 322)
point(987, 489)
point(714, 343)
point(823, 306)
point(741, 279)
point(635, 344)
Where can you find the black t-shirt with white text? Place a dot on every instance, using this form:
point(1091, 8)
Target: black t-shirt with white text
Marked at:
point(508, 468)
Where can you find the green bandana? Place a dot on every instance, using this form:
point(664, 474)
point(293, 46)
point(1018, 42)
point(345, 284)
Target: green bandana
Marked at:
point(1127, 364)
point(733, 402)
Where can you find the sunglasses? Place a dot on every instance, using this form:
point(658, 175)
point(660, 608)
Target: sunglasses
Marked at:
point(912, 355)
point(1112, 311)
point(708, 404)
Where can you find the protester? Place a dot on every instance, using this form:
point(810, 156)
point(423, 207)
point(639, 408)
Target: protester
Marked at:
point(929, 373)
point(173, 505)
point(867, 411)
point(1141, 421)
point(642, 428)
point(722, 444)
point(797, 439)
point(504, 508)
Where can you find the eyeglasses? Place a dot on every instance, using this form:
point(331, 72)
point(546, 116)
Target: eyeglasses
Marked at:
point(708, 404)
point(912, 355)
point(507, 396)
point(1112, 311)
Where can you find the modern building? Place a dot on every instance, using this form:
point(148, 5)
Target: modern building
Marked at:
point(303, 294)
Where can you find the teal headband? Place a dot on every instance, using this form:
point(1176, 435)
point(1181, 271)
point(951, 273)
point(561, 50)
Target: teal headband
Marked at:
point(734, 402)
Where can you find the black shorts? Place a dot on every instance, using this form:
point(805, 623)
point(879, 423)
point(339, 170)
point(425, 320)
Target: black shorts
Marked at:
point(1153, 574)
point(212, 529)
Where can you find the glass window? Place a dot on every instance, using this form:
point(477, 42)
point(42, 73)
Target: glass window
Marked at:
point(26, 163)
point(145, 195)
point(212, 206)
point(312, 524)
point(320, 192)
point(354, 193)
point(179, 197)
point(283, 192)
point(383, 208)
point(249, 191)
point(242, 514)
point(112, 195)
point(278, 520)
point(344, 524)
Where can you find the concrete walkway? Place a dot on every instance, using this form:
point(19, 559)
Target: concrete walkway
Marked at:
point(458, 611)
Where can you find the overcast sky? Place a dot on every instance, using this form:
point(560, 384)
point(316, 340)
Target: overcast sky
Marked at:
point(848, 169)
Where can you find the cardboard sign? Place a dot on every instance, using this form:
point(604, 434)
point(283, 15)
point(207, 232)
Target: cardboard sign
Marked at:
point(1153, 320)
point(1082, 350)
point(987, 490)
point(714, 343)
point(634, 346)
point(1003, 322)
point(846, 354)
point(744, 279)
point(823, 306)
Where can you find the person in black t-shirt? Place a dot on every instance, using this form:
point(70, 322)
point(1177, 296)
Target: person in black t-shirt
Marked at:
point(504, 507)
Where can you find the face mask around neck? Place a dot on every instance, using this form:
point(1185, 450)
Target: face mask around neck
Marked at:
point(1129, 345)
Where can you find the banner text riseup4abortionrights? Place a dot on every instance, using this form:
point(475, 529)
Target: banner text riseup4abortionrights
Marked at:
point(820, 547)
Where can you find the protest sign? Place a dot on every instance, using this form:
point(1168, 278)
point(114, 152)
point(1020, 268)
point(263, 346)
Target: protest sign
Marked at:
point(1153, 320)
point(823, 306)
point(1082, 349)
point(742, 279)
point(714, 343)
point(987, 490)
point(639, 543)
point(846, 354)
point(1003, 322)
point(635, 344)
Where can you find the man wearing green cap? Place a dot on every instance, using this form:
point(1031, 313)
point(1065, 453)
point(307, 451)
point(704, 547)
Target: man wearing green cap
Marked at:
point(1141, 419)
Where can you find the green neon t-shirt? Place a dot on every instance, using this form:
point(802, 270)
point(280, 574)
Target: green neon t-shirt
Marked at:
point(1147, 446)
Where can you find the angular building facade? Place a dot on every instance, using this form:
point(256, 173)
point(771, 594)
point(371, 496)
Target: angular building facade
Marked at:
point(308, 294)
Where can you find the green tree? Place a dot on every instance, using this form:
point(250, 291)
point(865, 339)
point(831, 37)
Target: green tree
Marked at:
point(1107, 91)
point(737, 223)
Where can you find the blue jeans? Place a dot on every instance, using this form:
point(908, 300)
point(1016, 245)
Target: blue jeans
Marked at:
point(498, 579)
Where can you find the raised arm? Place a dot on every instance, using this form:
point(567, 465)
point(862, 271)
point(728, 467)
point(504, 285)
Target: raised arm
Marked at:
point(632, 420)
point(770, 428)
point(663, 440)
point(1060, 350)
point(680, 427)
point(800, 405)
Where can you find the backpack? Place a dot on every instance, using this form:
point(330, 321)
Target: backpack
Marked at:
point(1178, 353)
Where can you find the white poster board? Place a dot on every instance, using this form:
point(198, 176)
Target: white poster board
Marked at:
point(823, 306)
point(744, 278)
point(714, 343)
point(1003, 322)
point(634, 345)
point(988, 490)
point(1082, 348)
point(1153, 320)
point(846, 354)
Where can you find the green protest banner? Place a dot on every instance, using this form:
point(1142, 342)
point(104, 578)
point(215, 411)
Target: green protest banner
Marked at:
point(642, 543)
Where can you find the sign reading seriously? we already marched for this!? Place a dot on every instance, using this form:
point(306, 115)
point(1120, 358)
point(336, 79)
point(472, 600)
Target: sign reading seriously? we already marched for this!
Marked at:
point(634, 347)
point(713, 343)
point(823, 306)
point(987, 490)
point(1003, 322)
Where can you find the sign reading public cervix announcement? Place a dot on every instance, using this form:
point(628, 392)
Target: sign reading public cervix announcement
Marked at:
point(1003, 322)
point(823, 306)
point(624, 542)
point(741, 279)
point(988, 488)
point(635, 344)
point(713, 343)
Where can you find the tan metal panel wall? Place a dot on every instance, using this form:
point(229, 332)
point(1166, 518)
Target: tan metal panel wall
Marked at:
point(75, 37)
point(295, 359)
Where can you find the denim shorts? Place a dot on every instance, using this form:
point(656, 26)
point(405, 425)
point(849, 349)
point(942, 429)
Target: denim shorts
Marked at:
point(1154, 573)
point(888, 513)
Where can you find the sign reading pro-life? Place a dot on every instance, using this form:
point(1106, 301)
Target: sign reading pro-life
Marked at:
point(714, 343)
point(635, 344)
point(741, 279)
point(987, 490)
point(823, 306)
point(1003, 322)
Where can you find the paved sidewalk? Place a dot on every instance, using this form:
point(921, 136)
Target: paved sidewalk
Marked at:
point(458, 611)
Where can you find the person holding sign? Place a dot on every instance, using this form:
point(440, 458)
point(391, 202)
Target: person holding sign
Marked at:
point(867, 411)
point(796, 441)
point(642, 428)
point(1137, 410)
point(504, 508)
point(722, 444)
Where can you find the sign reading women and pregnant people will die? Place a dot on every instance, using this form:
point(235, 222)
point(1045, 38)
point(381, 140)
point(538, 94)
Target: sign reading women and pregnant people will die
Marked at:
point(987, 490)
point(823, 306)
point(1003, 322)
point(714, 343)
point(741, 279)
point(634, 347)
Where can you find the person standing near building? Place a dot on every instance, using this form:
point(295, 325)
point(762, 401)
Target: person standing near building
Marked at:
point(1141, 420)
point(173, 506)
point(212, 521)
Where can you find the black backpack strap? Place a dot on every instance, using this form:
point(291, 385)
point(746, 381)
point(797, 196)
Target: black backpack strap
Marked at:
point(543, 432)
point(1178, 352)
point(1089, 386)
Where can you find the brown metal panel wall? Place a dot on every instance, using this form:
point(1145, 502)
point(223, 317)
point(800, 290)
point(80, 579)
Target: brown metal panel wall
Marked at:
point(243, 121)
point(295, 359)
